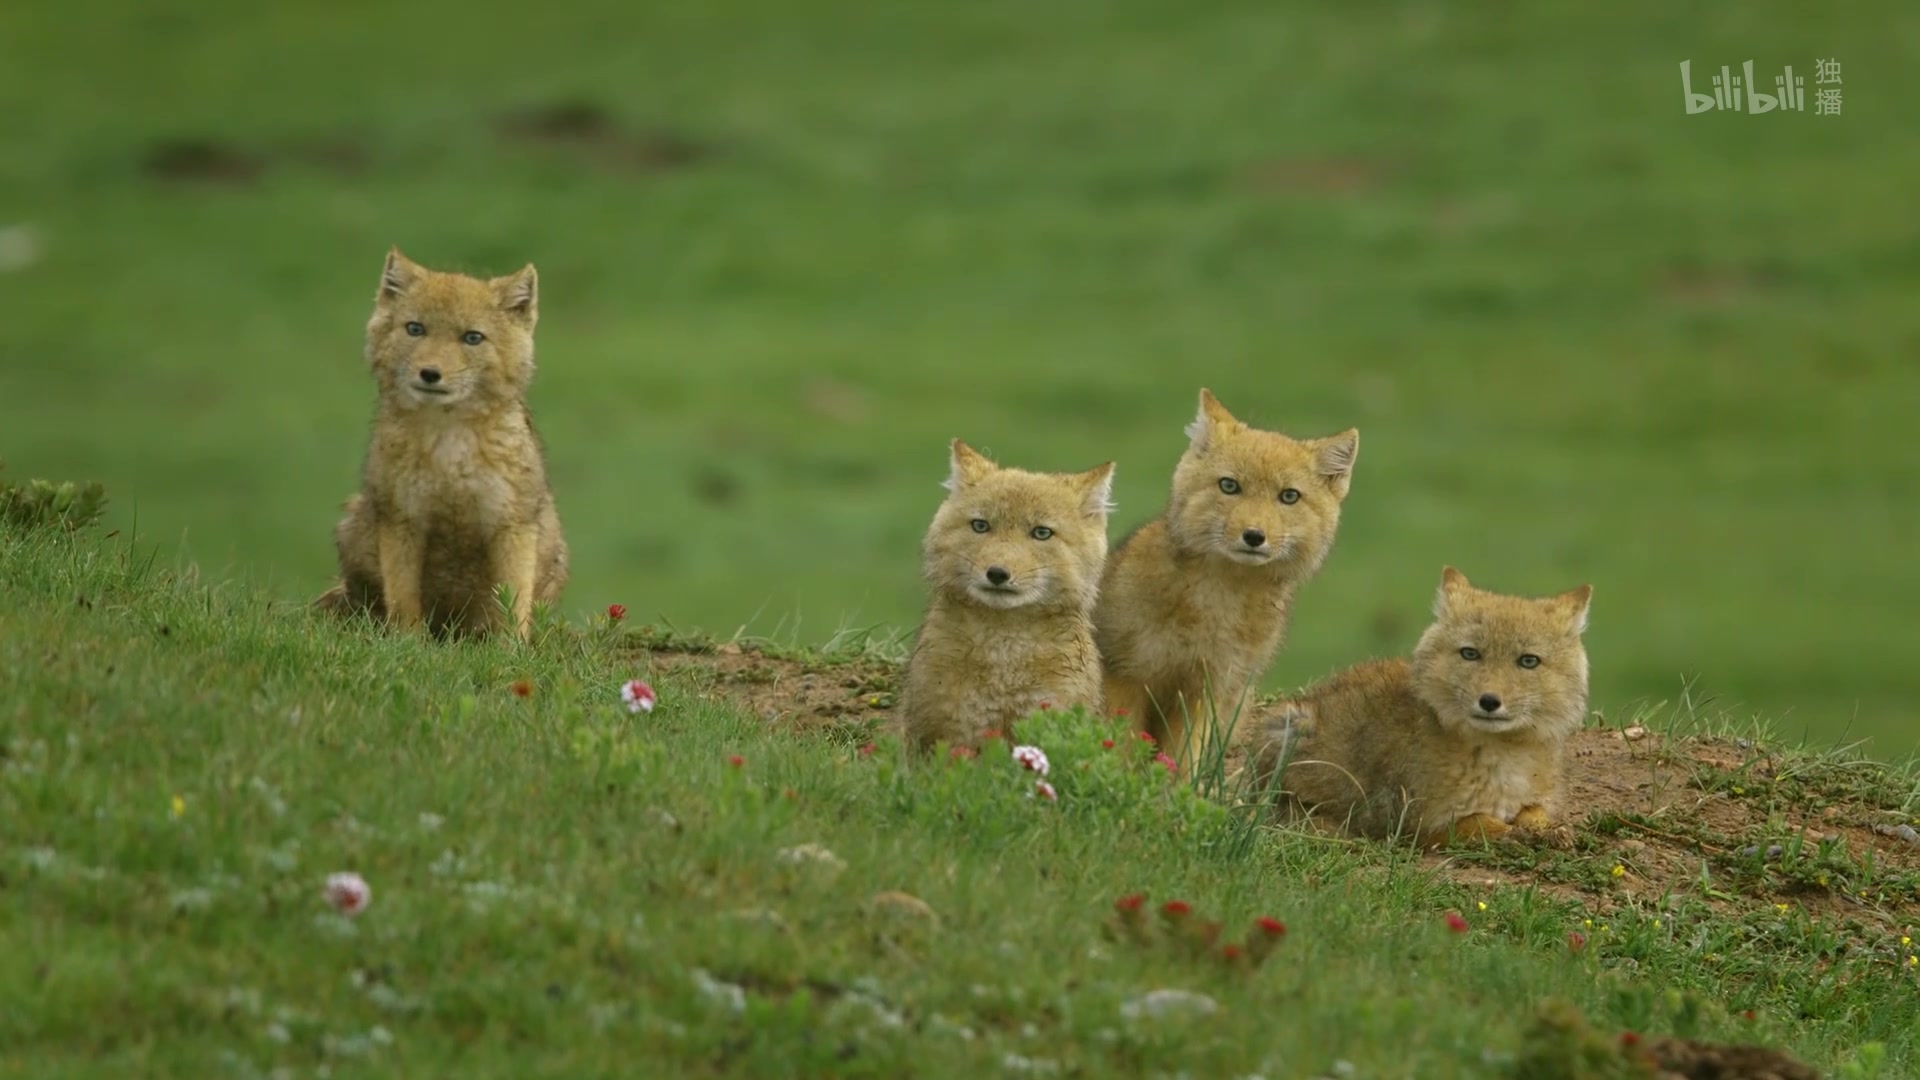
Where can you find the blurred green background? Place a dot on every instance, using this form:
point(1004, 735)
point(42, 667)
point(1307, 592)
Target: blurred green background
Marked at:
point(788, 250)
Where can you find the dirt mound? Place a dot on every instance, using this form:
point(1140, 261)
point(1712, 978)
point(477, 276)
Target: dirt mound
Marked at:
point(1738, 824)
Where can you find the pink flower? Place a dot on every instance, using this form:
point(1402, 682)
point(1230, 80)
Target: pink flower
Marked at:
point(348, 893)
point(1032, 758)
point(1161, 758)
point(1045, 790)
point(867, 750)
point(1576, 941)
point(1456, 922)
point(963, 753)
point(616, 612)
point(638, 696)
point(1045, 705)
point(736, 760)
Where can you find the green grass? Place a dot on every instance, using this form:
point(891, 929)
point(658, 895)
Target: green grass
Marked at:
point(560, 888)
point(1585, 336)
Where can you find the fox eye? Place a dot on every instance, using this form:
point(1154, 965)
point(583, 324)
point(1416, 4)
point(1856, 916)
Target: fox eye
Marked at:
point(415, 329)
point(1468, 652)
point(1289, 495)
point(1040, 532)
point(1229, 485)
point(980, 525)
point(1528, 660)
point(473, 337)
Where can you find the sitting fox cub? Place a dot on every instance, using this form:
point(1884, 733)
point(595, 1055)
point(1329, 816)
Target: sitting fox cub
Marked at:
point(1194, 604)
point(454, 498)
point(1468, 739)
point(1013, 561)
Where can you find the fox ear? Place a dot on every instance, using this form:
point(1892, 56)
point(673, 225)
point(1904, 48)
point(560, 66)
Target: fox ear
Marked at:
point(397, 276)
point(969, 465)
point(1453, 584)
point(1211, 415)
point(1333, 458)
point(519, 293)
point(1575, 603)
point(1096, 487)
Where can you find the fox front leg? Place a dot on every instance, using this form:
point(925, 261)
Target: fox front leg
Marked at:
point(516, 564)
point(401, 560)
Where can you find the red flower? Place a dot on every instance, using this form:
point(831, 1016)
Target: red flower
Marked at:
point(522, 688)
point(867, 750)
point(962, 753)
point(1746, 1014)
point(1576, 941)
point(736, 761)
point(616, 612)
point(1176, 909)
point(1629, 1038)
point(1144, 736)
point(791, 795)
point(1456, 923)
point(1161, 758)
point(1270, 926)
point(1106, 744)
point(1120, 712)
point(1129, 903)
point(1045, 705)
point(1230, 953)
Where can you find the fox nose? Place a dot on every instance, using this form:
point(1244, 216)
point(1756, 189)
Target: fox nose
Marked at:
point(997, 575)
point(1253, 538)
point(429, 375)
point(1489, 703)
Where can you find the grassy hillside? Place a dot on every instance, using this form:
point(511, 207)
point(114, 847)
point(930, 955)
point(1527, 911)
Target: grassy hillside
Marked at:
point(559, 887)
point(789, 250)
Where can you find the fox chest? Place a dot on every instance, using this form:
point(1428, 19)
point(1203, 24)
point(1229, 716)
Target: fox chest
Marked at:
point(1231, 626)
point(1498, 784)
point(448, 483)
point(1007, 679)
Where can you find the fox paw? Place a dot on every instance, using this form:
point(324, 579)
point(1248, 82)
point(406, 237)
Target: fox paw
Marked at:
point(1557, 836)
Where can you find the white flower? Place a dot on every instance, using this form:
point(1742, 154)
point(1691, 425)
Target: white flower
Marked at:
point(638, 696)
point(1045, 790)
point(348, 893)
point(1032, 757)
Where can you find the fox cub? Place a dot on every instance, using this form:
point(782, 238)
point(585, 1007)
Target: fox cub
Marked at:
point(1193, 605)
point(1013, 563)
point(1468, 739)
point(454, 498)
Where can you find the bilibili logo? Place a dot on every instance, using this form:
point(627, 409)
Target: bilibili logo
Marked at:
point(1740, 91)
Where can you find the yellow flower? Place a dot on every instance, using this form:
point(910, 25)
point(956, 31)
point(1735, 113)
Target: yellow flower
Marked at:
point(1619, 871)
point(1822, 879)
point(1913, 961)
point(179, 807)
point(1588, 923)
point(1905, 941)
point(1781, 908)
point(1656, 924)
point(1483, 905)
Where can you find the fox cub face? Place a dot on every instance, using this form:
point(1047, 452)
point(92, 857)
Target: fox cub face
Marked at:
point(441, 340)
point(1500, 664)
point(1007, 538)
point(1258, 497)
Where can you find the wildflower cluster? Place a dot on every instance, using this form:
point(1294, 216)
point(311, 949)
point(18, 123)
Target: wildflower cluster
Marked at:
point(1178, 927)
